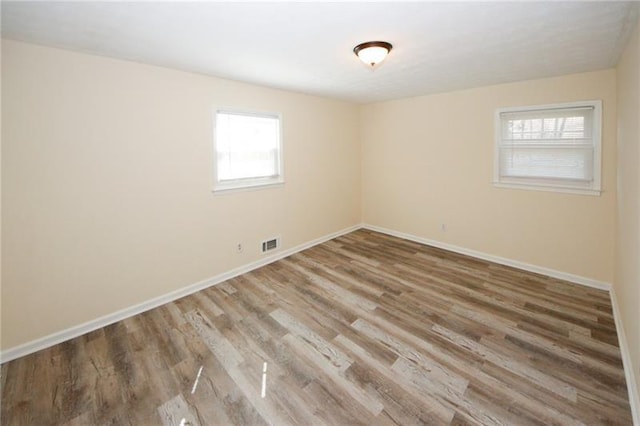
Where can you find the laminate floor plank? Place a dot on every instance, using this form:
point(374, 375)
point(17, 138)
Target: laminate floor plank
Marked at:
point(365, 329)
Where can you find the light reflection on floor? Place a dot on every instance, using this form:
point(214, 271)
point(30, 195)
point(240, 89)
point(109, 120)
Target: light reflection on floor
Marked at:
point(264, 380)
point(195, 384)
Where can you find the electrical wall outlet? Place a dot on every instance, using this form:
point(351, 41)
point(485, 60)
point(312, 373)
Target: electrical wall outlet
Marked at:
point(239, 248)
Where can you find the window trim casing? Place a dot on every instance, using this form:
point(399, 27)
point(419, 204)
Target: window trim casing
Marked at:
point(594, 189)
point(248, 183)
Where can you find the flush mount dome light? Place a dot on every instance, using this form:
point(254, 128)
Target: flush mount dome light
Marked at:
point(372, 52)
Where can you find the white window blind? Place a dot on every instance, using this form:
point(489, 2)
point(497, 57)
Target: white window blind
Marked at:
point(248, 150)
point(555, 146)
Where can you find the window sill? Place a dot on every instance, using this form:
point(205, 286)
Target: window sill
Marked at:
point(243, 187)
point(549, 188)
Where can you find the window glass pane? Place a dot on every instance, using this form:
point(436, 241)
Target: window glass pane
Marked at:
point(555, 146)
point(247, 146)
point(571, 126)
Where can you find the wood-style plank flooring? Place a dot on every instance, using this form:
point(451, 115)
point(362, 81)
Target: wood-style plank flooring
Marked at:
point(364, 329)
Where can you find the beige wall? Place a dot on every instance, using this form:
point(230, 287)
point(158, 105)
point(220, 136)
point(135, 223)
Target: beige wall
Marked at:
point(0, 196)
point(627, 281)
point(429, 160)
point(106, 176)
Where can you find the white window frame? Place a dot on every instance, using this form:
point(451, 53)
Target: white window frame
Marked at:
point(247, 183)
point(558, 184)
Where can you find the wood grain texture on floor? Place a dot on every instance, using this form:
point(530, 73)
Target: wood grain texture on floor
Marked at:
point(363, 329)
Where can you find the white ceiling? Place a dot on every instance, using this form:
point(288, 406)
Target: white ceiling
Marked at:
point(307, 47)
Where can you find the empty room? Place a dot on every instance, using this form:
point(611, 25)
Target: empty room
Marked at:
point(315, 213)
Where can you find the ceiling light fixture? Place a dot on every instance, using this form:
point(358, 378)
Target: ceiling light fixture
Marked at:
point(372, 52)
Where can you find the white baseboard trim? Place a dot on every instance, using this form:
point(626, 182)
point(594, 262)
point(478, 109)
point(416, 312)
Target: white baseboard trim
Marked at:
point(589, 282)
point(78, 330)
point(632, 383)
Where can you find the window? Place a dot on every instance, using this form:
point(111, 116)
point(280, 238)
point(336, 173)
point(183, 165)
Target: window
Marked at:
point(550, 147)
point(247, 149)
